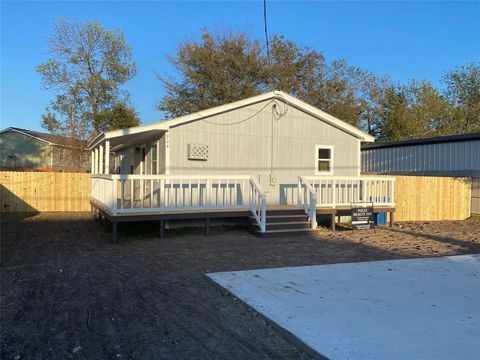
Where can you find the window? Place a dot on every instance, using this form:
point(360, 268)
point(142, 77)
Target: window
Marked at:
point(153, 153)
point(323, 160)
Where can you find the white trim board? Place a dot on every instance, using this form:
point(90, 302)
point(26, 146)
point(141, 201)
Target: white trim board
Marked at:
point(274, 95)
point(332, 159)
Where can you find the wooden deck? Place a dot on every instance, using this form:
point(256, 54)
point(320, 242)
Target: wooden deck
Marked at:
point(99, 210)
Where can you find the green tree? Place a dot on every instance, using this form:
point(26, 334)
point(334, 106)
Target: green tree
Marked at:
point(413, 111)
point(463, 93)
point(396, 121)
point(226, 67)
point(431, 110)
point(215, 70)
point(87, 66)
point(119, 116)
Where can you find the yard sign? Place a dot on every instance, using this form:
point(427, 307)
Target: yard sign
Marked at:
point(363, 217)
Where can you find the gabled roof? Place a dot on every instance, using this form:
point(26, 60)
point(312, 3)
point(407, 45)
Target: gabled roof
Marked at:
point(424, 141)
point(278, 95)
point(51, 139)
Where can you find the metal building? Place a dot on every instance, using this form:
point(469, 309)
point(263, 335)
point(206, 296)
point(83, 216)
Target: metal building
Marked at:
point(455, 155)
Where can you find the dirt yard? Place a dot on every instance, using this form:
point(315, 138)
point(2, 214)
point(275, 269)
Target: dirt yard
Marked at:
point(67, 292)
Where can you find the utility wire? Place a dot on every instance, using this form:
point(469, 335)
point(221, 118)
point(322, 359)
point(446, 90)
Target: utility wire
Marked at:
point(266, 29)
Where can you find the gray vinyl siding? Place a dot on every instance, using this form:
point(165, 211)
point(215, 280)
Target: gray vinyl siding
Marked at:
point(460, 158)
point(249, 141)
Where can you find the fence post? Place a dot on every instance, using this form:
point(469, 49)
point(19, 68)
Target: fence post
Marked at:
point(364, 190)
point(313, 210)
point(114, 195)
point(209, 193)
point(162, 193)
point(264, 214)
point(392, 200)
point(334, 195)
point(107, 157)
point(299, 195)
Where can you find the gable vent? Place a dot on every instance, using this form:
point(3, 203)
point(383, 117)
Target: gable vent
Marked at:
point(197, 152)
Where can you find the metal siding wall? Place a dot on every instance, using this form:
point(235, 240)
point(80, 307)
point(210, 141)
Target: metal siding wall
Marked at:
point(444, 157)
point(245, 147)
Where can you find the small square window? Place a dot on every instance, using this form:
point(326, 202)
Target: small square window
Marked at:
point(323, 160)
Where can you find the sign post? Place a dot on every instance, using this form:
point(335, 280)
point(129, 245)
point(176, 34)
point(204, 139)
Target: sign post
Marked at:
point(363, 217)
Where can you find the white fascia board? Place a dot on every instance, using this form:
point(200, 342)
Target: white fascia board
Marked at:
point(220, 109)
point(95, 141)
point(161, 125)
point(303, 106)
point(166, 124)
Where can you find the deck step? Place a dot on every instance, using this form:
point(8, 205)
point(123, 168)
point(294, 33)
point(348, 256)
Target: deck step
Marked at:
point(282, 218)
point(285, 232)
point(283, 222)
point(287, 211)
point(291, 225)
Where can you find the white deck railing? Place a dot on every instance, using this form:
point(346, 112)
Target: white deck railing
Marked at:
point(307, 198)
point(258, 203)
point(149, 193)
point(332, 191)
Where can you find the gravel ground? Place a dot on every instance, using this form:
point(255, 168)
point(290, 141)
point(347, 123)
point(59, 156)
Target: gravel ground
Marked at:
point(67, 292)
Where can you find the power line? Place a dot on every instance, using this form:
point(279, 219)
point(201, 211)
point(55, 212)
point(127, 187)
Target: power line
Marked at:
point(266, 29)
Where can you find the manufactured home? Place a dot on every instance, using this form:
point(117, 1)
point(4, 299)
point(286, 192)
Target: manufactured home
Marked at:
point(265, 158)
point(28, 150)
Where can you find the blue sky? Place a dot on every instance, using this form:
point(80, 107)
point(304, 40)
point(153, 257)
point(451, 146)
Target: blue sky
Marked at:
point(407, 40)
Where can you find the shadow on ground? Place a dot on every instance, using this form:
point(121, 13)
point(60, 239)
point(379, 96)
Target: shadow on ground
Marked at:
point(66, 291)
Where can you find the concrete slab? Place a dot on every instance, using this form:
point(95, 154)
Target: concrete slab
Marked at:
point(399, 309)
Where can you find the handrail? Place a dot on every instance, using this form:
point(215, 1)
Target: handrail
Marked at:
point(361, 177)
point(333, 191)
point(169, 177)
point(134, 193)
point(308, 200)
point(258, 203)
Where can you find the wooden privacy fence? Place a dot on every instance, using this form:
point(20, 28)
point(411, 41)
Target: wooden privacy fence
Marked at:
point(44, 191)
point(417, 198)
point(425, 198)
point(476, 195)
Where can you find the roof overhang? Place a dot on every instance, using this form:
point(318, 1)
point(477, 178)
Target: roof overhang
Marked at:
point(26, 134)
point(120, 141)
point(163, 126)
point(424, 141)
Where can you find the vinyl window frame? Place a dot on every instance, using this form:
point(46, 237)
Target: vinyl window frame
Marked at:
point(317, 159)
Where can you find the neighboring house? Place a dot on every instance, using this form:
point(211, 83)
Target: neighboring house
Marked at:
point(22, 149)
point(267, 150)
point(455, 155)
